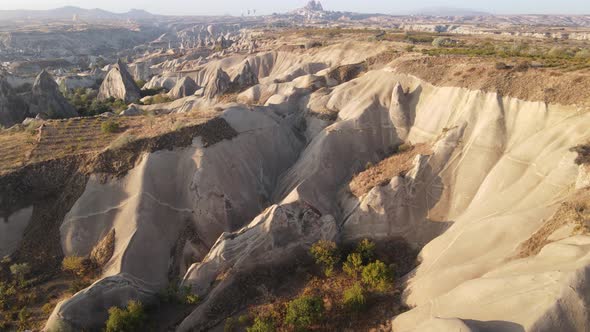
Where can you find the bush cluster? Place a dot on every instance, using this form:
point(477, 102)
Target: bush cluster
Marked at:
point(109, 126)
point(304, 312)
point(87, 104)
point(129, 319)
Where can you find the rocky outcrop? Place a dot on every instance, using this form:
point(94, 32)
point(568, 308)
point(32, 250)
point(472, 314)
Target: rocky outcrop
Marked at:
point(245, 77)
point(88, 309)
point(119, 84)
point(276, 237)
point(218, 84)
point(213, 189)
point(13, 109)
point(47, 99)
point(185, 87)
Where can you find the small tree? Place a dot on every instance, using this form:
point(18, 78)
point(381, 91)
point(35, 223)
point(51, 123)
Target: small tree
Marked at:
point(262, 324)
point(20, 271)
point(325, 253)
point(353, 265)
point(304, 311)
point(378, 276)
point(129, 319)
point(366, 248)
point(109, 126)
point(354, 298)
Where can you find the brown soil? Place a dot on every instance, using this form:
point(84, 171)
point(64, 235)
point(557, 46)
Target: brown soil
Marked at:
point(575, 211)
point(387, 169)
point(346, 73)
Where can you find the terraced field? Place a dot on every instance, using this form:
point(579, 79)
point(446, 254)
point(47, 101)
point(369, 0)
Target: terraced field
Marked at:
point(22, 145)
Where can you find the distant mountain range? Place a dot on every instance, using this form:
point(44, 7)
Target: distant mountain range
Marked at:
point(69, 12)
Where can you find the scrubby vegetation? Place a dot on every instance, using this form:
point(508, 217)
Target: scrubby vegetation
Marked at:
point(325, 253)
point(304, 311)
point(86, 103)
point(354, 298)
point(17, 294)
point(378, 276)
point(158, 99)
point(547, 56)
point(130, 319)
point(262, 324)
point(109, 127)
point(364, 283)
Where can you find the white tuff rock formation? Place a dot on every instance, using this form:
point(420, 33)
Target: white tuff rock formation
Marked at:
point(119, 84)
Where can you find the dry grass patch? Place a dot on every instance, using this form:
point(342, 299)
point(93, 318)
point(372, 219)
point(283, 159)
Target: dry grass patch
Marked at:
point(575, 211)
point(23, 145)
point(387, 169)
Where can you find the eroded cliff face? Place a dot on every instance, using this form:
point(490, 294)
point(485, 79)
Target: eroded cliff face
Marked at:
point(496, 169)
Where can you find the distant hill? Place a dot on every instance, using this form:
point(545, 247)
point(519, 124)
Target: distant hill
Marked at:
point(67, 13)
point(449, 11)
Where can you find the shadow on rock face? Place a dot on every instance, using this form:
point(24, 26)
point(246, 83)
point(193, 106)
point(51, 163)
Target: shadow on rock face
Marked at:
point(493, 326)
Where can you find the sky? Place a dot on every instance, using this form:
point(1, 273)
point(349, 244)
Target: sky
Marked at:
point(236, 7)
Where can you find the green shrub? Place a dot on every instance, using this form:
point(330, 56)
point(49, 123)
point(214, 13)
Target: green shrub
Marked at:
point(47, 308)
point(304, 312)
point(109, 126)
point(78, 266)
point(7, 293)
point(20, 271)
point(353, 265)
point(230, 325)
point(325, 254)
point(262, 324)
point(366, 248)
point(23, 319)
point(378, 276)
point(140, 83)
point(129, 319)
point(191, 299)
point(244, 320)
point(404, 147)
point(354, 298)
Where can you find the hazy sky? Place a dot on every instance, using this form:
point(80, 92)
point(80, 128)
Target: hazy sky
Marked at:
point(236, 7)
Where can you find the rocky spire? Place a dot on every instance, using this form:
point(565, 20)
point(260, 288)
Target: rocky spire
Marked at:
point(47, 99)
point(119, 84)
point(313, 5)
point(186, 86)
point(218, 84)
point(246, 78)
